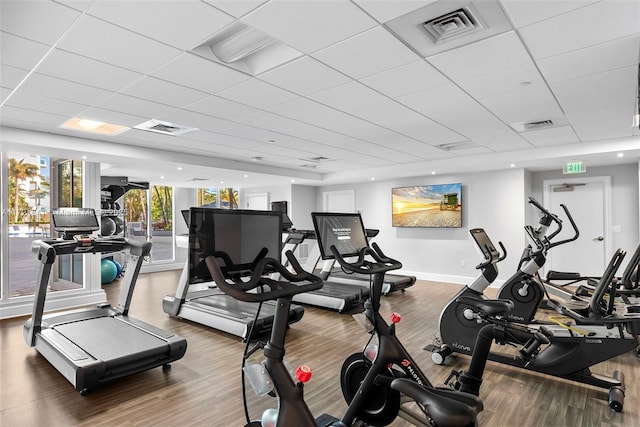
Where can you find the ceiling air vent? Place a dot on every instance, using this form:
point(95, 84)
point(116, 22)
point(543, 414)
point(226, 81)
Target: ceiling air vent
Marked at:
point(165, 128)
point(453, 146)
point(537, 125)
point(197, 179)
point(452, 24)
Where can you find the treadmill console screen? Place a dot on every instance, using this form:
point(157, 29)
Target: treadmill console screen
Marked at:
point(485, 245)
point(78, 220)
point(237, 238)
point(345, 231)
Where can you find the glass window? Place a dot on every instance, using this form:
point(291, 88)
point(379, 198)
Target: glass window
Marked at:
point(28, 201)
point(208, 196)
point(137, 212)
point(162, 223)
point(229, 198)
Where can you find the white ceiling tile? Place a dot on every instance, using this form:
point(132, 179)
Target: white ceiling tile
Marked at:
point(220, 107)
point(385, 10)
point(311, 112)
point(81, 5)
point(360, 101)
point(495, 53)
point(236, 8)
point(182, 24)
point(551, 136)
point(578, 63)
point(525, 104)
point(156, 90)
point(113, 117)
point(10, 76)
point(79, 69)
point(20, 52)
point(203, 74)
point(22, 99)
point(602, 130)
point(310, 25)
point(135, 106)
point(525, 12)
point(63, 89)
point(597, 23)
point(453, 108)
point(421, 128)
point(114, 45)
point(305, 76)
point(611, 92)
point(4, 94)
point(368, 53)
point(26, 115)
point(192, 119)
point(405, 79)
point(257, 93)
point(41, 21)
point(503, 81)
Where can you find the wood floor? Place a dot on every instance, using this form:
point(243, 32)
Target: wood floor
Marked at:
point(204, 387)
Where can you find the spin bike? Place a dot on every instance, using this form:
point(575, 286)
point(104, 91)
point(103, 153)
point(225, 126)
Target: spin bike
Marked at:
point(470, 323)
point(442, 407)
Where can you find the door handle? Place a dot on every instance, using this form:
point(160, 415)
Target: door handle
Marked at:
point(599, 238)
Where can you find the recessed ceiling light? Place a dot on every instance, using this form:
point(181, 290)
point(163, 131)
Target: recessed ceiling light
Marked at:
point(246, 176)
point(221, 182)
point(162, 177)
point(179, 168)
point(373, 178)
point(433, 172)
point(620, 154)
point(93, 126)
point(293, 180)
point(84, 157)
point(513, 165)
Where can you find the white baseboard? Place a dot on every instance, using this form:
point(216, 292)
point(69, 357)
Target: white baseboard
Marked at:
point(54, 302)
point(445, 278)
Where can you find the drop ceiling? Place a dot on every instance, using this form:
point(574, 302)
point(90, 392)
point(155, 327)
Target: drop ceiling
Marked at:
point(358, 100)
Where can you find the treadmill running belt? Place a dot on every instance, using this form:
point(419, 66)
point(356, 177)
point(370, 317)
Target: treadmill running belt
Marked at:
point(109, 339)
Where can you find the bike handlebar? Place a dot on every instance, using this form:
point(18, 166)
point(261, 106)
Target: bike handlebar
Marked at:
point(494, 261)
point(278, 288)
point(545, 243)
point(381, 264)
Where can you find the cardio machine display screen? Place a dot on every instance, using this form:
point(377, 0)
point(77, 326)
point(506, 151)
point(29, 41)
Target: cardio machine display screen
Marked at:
point(75, 219)
point(345, 231)
point(237, 238)
point(485, 244)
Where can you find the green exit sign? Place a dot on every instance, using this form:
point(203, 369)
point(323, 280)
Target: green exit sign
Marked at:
point(574, 167)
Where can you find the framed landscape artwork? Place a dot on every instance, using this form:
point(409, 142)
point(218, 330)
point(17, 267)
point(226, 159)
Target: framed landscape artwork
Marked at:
point(427, 206)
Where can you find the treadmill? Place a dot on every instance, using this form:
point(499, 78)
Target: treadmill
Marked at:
point(92, 346)
point(392, 282)
point(198, 299)
point(340, 296)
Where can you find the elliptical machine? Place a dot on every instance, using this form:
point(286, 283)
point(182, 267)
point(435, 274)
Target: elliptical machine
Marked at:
point(470, 323)
point(525, 288)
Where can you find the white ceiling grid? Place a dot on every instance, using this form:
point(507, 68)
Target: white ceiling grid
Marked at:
point(358, 95)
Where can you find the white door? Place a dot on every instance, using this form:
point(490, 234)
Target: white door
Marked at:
point(586, 200)
point(258, 201)
point(339, 201)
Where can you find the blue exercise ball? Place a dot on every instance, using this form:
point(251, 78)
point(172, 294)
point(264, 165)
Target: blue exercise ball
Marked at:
point(109, 271)
point(118, 267)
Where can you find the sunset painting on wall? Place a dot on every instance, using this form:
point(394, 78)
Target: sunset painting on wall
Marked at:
point(427, 206)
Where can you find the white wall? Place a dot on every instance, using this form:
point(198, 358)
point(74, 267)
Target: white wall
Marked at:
point(303, 202)
point(276, 193)
point(494, 201)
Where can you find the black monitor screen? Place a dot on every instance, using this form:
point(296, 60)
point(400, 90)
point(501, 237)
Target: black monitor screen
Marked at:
point(75, 219)
point(241, 235)
point(345, 231)
point(185, 214)
point(483, 242)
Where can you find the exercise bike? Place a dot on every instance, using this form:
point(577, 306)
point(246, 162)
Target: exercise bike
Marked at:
point(470, 323)
point(441, 407)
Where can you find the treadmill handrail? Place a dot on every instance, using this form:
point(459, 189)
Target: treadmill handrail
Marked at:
point(47, 250)
point(278, 288)
point(382, 262)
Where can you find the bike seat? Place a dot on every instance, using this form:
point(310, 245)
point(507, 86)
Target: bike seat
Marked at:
point(563, 275)
point(491, 307)
point(446, 407)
